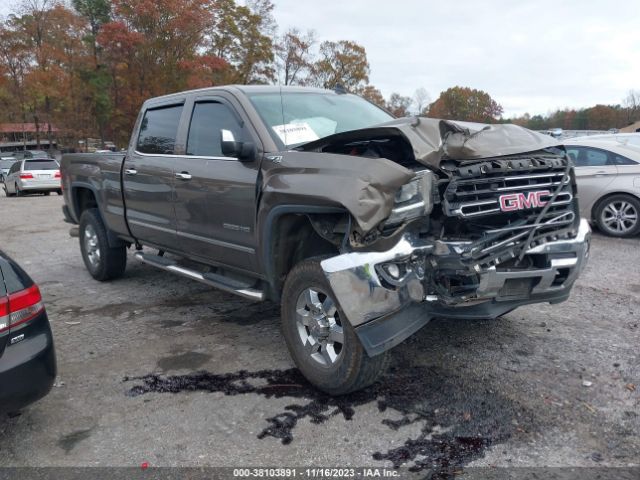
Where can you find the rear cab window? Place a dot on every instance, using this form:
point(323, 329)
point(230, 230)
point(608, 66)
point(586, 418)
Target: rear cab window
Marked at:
point(158, 130)
point(40, 164)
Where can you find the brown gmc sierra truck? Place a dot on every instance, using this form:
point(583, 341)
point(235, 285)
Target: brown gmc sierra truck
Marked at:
point(363, 226)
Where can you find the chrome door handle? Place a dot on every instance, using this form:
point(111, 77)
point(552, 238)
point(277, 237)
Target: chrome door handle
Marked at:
point(131, 171)
point(600, 174)
point(183, 176)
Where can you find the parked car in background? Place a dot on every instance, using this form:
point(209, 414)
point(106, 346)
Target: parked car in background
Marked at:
point(608, 178)
point(622, 138)
point(27, 353)
point(35, 175)
point(5, 166)
point(24, 154)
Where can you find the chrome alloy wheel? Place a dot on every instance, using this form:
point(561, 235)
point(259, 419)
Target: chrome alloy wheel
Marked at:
point(91, 246)
point(319, 326)
point(620, 216)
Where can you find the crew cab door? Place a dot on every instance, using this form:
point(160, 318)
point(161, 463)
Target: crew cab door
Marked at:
point(215, 194)
point(148, 177)
point(594, 172)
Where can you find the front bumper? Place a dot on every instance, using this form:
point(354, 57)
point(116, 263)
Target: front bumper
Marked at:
point(369, 296)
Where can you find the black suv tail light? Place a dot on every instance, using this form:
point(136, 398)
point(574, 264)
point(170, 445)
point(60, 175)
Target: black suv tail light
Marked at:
point(19, 308)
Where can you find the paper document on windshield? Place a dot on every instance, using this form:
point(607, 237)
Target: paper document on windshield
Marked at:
point(294, 133)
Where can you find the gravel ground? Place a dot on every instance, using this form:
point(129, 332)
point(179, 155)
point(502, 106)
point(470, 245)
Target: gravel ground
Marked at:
point(509, 392)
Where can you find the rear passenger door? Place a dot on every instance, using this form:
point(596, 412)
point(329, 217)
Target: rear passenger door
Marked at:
point(148, 176)
point(215, 194)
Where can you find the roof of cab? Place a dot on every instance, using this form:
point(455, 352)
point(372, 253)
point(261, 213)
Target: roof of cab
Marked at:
point(246, 89)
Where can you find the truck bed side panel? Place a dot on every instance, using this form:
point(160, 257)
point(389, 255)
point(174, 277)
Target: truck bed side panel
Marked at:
point(101, 174)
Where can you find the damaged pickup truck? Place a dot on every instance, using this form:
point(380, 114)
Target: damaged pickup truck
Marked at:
point(363, 226)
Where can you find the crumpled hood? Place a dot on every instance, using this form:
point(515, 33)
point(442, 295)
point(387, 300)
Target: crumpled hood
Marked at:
point(433, 140)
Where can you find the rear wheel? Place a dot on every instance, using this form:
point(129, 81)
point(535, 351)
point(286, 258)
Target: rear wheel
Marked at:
point(59, 192)
point(619, 216)
point(102, 261)
point(18, 191)
point(47, 193)
point(320, 339)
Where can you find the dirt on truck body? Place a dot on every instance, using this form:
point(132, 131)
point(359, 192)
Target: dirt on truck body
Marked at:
point(364, 227)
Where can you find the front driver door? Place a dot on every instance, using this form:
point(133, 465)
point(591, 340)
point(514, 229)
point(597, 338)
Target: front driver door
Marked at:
point(215, 195)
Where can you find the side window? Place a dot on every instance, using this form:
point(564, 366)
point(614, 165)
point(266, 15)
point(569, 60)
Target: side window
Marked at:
point(573, 154)
point(591, 157)
point(207, 120)
point(15, 167)
point(620, 160)
point(159, 129)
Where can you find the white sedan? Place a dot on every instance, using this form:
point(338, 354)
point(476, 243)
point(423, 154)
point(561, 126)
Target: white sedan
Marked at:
point(608, 178)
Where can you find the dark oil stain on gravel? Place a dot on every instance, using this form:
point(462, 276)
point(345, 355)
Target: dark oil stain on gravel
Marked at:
point(459, 418)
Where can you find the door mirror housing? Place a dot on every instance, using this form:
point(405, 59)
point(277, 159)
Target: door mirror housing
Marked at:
point(243, 151)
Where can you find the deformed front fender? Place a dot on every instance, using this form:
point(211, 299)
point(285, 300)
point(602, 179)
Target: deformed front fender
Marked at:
point(363, 186)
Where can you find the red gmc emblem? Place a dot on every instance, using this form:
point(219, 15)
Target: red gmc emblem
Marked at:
point(521, 201)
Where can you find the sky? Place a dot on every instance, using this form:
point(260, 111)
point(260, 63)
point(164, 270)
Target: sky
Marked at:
point(530, 56)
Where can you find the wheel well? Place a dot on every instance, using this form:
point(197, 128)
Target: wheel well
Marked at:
point(294, 239)
point(84, 199)
point(597, 204)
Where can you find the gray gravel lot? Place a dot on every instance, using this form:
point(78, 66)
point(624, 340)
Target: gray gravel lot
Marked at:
point(460, 393)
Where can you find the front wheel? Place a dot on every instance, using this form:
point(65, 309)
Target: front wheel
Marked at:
point(102, 261)
point(619, 216)
point(6, 191)
point(320, 339)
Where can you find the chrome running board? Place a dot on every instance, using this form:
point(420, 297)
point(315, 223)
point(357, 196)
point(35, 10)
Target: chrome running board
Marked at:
point(212, 279)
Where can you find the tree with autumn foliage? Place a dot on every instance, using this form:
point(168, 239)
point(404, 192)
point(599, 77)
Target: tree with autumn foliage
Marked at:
point(343, 62)
point(463, 103)
point(295, 56)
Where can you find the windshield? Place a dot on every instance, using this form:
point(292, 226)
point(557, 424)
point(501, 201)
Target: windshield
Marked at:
point(30, 165)
point(303, 117)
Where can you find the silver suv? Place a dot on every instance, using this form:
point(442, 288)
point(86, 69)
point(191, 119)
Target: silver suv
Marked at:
point(34, 175)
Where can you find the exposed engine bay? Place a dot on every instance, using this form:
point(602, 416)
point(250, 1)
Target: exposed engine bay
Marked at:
point(475, 226)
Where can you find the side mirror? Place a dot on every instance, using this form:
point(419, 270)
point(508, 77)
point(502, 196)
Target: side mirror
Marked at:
point(243, 151)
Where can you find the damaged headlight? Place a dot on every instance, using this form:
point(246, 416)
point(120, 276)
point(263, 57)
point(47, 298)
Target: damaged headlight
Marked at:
point(413, 200)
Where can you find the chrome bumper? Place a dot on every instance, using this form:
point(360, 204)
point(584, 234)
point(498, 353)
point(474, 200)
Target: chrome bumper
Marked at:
point(366, 291)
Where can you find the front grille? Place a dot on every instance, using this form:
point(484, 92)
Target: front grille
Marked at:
point(510, 204)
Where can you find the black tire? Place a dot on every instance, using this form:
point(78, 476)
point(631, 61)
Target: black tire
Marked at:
point(18, 191)
point(47, 193)
point(353, 368)
point(59, 192)
point(110, 262)
point(6, 191)
point(626, 226)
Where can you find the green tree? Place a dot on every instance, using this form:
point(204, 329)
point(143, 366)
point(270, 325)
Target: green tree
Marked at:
point(242, 36)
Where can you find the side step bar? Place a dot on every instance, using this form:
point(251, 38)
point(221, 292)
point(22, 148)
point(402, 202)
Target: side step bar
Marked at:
point(212, 279)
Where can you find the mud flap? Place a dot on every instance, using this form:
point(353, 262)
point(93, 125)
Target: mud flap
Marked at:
point(384, 333)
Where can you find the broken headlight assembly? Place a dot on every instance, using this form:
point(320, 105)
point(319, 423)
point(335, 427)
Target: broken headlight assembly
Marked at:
point(413, 200)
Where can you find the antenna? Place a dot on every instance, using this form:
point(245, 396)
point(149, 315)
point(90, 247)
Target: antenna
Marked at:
point(284, 125)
